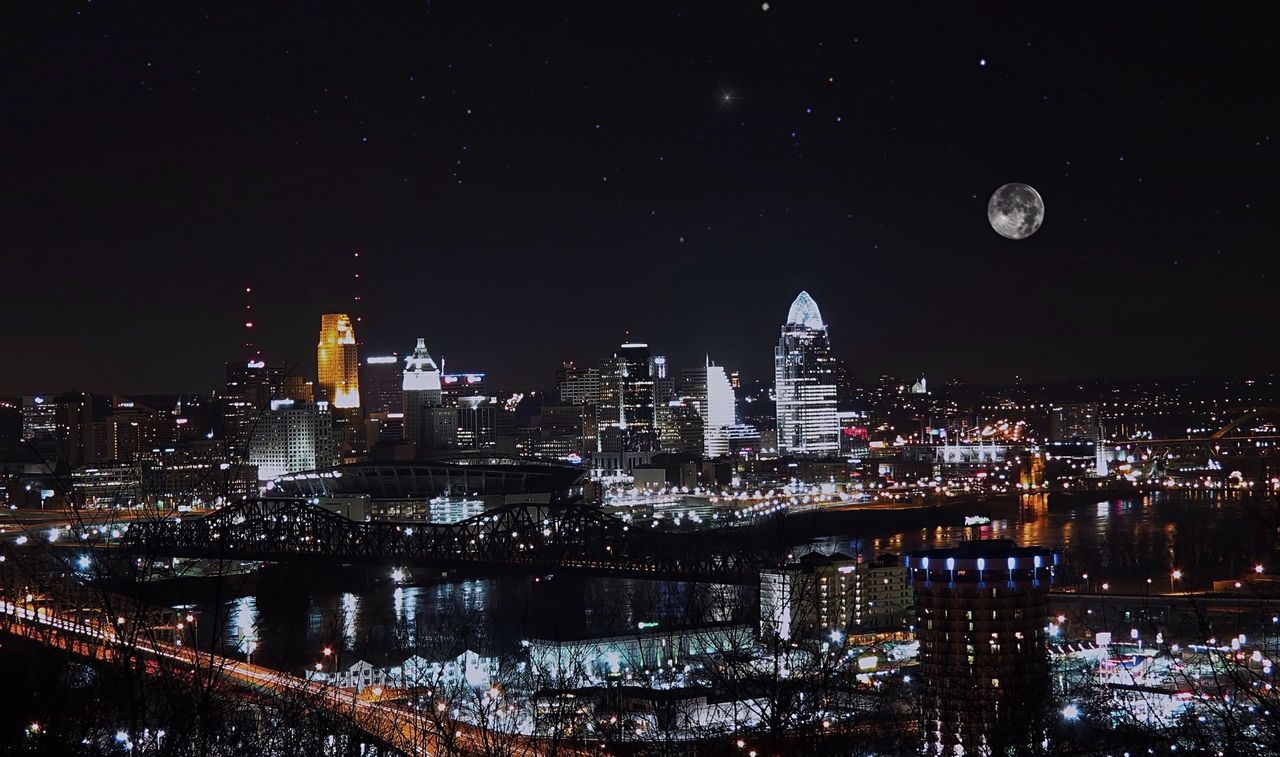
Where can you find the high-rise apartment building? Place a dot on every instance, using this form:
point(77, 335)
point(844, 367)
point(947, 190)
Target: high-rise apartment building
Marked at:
point(805, 384)
point(981, 613)
point(337, 363)
point(825, 593)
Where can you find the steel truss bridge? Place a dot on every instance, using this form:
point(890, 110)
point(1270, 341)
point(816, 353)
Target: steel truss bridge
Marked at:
point(534, 537)
point(58, 610)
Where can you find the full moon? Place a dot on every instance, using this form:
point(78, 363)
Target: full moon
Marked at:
point(1015, 211)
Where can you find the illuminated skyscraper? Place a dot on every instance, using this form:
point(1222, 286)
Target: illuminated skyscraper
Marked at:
point(337, 364)
point(712, 393)
point(290, 437)
point(578, 386)
point(805, 376)
point(626, 413)
point(426, 423)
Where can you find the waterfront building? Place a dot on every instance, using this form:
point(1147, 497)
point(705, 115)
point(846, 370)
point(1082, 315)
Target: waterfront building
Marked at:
point(1074, 422)
point(409, 490)
point(805, 383)
point(981, 615)
point(825, 593)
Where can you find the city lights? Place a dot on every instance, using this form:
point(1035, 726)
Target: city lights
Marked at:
point(656, 500)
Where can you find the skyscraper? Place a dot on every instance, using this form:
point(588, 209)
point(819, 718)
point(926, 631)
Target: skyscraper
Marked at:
point(578, 386)
point(382, 383)
point(290, 437)
point(981, 612)
point(805, 376)
point(337, 364)
point(429, 425)
point(626, 413)
point(711, 392)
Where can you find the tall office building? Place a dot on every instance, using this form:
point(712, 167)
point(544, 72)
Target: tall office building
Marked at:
point(664, 384)
point(454, 387)
point(429, 425)
point(484, 424)
point(981, 613)
point(292, 436)
point(337, 362)
point(39, 418)
point(578, 386)
point(680, 427)
point(626, 411)
point(712, 393)
point(249, 387)
point(59, 429)
point(298, 388)
point(805, 383)
point(382, 384)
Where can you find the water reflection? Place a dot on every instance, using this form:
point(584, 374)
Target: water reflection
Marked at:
point(242, 625)
point(292, 616)
point(350, 613)
point(1127, 541)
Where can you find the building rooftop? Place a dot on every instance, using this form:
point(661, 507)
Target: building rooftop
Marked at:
point(804, 312)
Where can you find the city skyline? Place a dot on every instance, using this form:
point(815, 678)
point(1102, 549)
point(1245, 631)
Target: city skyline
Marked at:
point(754, 378)
point(455, 148)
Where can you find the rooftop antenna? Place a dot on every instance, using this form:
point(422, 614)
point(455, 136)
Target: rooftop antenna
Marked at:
point(249, 344)
point(355, 311)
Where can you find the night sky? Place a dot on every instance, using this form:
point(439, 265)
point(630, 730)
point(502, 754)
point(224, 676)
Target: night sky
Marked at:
point(526, 184)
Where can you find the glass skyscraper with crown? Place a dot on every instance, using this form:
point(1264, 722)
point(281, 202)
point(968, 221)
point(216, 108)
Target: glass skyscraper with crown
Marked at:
point(805, 384)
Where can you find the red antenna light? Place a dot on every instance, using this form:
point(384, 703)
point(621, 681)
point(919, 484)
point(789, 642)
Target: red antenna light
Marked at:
point(249, 345)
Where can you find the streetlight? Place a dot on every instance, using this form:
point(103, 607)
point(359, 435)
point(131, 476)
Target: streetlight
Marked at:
point(1258, 569)
point(1071, 712)
point(1176, 575)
